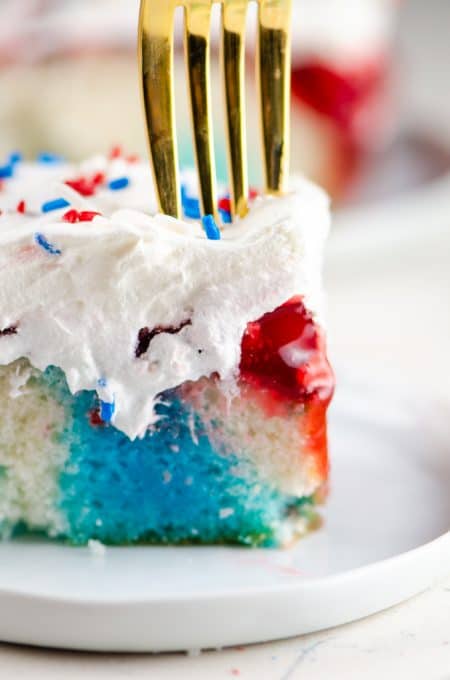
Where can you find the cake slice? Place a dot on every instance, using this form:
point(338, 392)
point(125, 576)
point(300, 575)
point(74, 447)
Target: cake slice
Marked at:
point(161, 380)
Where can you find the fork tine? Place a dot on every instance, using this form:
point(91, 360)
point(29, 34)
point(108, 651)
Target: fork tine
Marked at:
point(234, 14)
point(197, 46)
point(155, 52)
point(274, 68)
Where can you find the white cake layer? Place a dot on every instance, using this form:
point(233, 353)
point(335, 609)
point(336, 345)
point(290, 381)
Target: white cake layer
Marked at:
point(31, 456)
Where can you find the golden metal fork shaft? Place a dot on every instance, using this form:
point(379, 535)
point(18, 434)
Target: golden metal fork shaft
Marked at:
point(156, 28)
point(155, 53)
point(274, 73)
point(234, 14)
point(197, 48)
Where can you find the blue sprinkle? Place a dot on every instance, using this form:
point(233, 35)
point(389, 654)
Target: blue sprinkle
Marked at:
point(102, 382)
point(107, 411)
point(48, 247)
point(225, 215)
point(49, 158)
point(211, 229)
point(119, 183)
point(56, 204)
point(191, 206)
point(15, 157)
point(6, 171)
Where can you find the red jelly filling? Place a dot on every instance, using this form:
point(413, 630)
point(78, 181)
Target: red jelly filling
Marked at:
point(284, 354)
point(284, 359)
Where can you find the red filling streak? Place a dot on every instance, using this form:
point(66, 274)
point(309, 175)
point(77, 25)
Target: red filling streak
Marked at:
point(284, 359)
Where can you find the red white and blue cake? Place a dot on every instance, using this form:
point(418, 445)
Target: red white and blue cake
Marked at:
point(161, 380)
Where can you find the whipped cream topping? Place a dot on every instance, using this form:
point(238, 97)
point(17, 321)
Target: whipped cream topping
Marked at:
point(81, 303)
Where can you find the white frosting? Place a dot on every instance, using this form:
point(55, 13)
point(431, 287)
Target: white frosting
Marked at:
point(82, 310)
point(337, 29)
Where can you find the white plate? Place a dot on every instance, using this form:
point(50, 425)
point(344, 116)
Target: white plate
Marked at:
point(385, 539)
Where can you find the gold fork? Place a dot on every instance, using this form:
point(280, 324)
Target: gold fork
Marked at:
point(156, 24)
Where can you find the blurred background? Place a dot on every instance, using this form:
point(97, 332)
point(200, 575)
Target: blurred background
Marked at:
point(371, 123)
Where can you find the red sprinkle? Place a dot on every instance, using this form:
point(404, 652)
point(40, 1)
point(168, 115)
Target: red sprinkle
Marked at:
point(99, 178)
point(87, 186)
point(87, 215)
point(225, 204)
point(82, 216)
point(71, 216)
point(83, 186)
point(133, 158)
point(253, 193)
point(21, 207)
point(116, 152)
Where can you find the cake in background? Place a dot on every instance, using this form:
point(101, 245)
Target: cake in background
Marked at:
point(70, 76)
point(341, 86)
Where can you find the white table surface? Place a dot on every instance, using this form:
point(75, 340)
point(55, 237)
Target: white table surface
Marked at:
point(410, 641)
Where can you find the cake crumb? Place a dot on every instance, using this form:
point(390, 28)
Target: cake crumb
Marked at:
point(167, 477)
point(96, 548)
point(225, 512)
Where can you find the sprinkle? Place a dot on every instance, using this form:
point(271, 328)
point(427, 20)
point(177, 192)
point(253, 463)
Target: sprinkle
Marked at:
point(224, 513)
point(56, 204)
point(21, 207)
point(226, 216)
point(107, 410)
point(99, 178)
point(81, 185)
point(86, 186)
point(119, 183)
point(211, 229)
point(253, 193)
point(45, 245)
point(133, 158)
point(115, 153)
point(191, 206)
point(225, 204)
point(49, 158)
point(6, 171)
point(71, 216)
point(102, 382)
point(88, 215)
point(15, 157)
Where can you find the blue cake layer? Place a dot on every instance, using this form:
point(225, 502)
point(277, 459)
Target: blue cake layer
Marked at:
point(169, 487)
